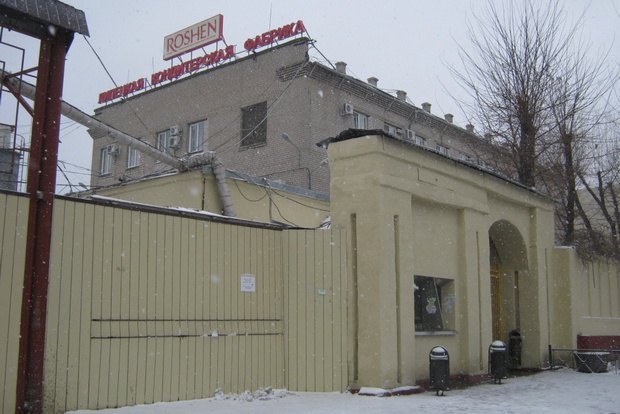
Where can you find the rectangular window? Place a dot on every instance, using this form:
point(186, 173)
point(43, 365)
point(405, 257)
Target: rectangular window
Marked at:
point(434, 304)
point(197, 136)
point(254, 125)
point(360, 120)
point(420, 141)
point(107, 153)
point(393, 130)
point(441, 149)
point(163, 140)
point(133, 157)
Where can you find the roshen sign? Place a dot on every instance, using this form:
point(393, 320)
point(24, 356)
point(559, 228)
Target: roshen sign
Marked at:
point(195, 36)
point(183, 38)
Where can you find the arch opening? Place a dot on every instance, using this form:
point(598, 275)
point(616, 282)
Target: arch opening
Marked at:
point(512, 293)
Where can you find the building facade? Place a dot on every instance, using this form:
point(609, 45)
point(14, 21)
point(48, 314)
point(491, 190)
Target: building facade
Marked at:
point(263, 115)
point(151, 304)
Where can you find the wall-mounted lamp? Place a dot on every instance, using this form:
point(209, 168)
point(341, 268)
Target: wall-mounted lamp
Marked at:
point(288, 139)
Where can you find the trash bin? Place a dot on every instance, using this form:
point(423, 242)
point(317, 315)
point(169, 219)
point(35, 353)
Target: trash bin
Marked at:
point(591, 361)
point(439, 367)
point(497, 361)
point(514, 348)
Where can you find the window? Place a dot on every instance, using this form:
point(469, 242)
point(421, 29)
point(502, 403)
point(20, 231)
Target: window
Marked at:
point(441, 149)
point(254, 125)
point(163, 141)
point(107, 153)
point(420, 141)
point(465, 157)
point(133, 157)
point(197, 136)
point(360, 120)
point(434, 304)
point(393, 130)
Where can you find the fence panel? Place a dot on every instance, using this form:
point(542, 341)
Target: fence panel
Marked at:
point(13, 228)
point(147, 306)
point(315, 286)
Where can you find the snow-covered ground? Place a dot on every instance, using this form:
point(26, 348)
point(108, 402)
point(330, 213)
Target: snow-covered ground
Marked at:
point(561, 391)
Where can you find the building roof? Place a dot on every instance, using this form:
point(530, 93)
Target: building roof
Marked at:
point(373, 94)
point(35, 16)
point(358, 133)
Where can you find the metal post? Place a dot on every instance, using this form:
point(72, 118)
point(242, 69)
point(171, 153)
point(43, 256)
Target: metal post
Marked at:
point(550, 357)
point(41, 186)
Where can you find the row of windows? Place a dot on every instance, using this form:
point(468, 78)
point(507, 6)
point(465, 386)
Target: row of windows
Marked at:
point(171, 138)
point(110, 152)
point(253, 134)
point(360, 121)
point(167, 140)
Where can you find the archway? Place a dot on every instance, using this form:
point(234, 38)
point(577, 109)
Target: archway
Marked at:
point(511, 304)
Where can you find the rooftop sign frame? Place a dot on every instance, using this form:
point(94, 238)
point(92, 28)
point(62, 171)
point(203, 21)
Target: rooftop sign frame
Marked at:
point(193, 37)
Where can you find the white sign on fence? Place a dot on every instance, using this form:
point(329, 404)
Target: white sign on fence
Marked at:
point(248, 283)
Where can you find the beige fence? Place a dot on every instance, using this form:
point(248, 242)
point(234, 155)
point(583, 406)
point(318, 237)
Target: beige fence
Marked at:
point(13, 227)
point(149, 306)
point(585, 298)
point(315, 287)
point(598, 302)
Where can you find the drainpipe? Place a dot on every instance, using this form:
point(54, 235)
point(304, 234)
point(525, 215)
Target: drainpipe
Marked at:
point(219, 172)
point(222, 187)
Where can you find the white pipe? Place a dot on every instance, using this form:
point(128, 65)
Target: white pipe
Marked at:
point(83, 118)
point(220, 178)
point(80, 117)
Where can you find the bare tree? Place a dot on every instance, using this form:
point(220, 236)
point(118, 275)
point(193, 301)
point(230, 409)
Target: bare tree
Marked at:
point(539, 94)
point(601, 181)
point(508, 71)
point(577, 100)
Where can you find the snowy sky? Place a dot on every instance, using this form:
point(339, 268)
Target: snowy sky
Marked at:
point(406, 44)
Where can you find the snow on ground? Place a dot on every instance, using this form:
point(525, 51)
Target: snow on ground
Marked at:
point(561, 391)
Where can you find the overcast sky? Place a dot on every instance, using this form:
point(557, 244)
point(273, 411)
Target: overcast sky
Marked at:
point(406, 44)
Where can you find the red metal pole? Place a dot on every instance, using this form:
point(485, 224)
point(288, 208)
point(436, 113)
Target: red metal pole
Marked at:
point(41, 186)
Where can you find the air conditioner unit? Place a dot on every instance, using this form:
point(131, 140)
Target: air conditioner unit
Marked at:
point(175, 142)
point(347, 109)
point(174, 130)
point(113, 149)
point(409, 134)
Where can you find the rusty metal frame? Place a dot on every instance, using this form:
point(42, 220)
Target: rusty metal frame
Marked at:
point(41, 187)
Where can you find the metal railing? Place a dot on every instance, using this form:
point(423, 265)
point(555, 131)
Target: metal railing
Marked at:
point(584, 360)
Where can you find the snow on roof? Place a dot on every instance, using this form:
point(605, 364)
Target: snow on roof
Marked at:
point(184, 210)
